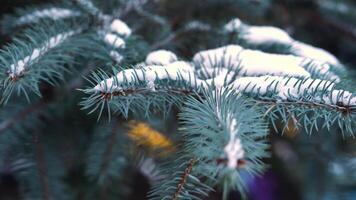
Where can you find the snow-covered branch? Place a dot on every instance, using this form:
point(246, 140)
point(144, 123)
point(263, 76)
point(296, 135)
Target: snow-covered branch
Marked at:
point(18, 67)
point(53, 13)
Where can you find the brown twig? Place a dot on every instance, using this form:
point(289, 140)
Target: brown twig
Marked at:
point(184, 178)
point(128, 92)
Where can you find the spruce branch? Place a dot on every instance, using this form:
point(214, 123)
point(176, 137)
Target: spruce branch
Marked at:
point(50, 52)
point(219, 144)
point(162, 85)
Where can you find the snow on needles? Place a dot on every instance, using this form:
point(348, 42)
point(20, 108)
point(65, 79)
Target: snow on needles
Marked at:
point(114, 40)
point(233, 150)
point(53, 13)
point(19, 67)
point(259, 35)
point(263, 75)
point(251, 62)
point(174, 71)
point(118, 31)
point(284, 88)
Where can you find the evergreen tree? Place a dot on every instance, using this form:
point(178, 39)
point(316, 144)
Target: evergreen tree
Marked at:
point(139, 99)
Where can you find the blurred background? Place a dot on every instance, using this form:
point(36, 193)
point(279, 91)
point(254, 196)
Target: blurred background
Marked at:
point(320, 166)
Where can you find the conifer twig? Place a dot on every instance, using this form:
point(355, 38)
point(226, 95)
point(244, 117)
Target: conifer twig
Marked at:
point(184, 178)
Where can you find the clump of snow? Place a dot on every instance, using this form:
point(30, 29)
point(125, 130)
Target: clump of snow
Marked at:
point(258, 63)
point(283, 87)
point(259, 35)
point(218, 81)
point(250, 62)
point(265, 34)
point(234, 150)
point(219, 57)
point(161, 57)
point(174, 71)
point(120, 27)
point(114, 40)
point(116, 56)
point(337, 97)
point(233, 25)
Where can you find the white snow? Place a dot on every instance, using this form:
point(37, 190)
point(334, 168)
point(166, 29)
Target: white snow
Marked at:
point(233, 150)
point(211, 72)
point(218, 81)
point(53, 13)
point(114, 40)
point(120, 27)
point(265, 34)
point(18, 67)
point(308, 51)
point(174, 71)
point(233, 25)
point(258, 35)
point(282, 76)
point(336, 97)
point(220, 57)
point(160, 57)
point(283, 87)
point(116, 56)
point(251, 62)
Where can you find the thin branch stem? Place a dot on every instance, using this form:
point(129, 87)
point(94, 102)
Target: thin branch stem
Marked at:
point(184, 178)
point(344, 109)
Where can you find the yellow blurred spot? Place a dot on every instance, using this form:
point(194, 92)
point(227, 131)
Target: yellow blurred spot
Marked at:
point(291, 129)
point(145, 136)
